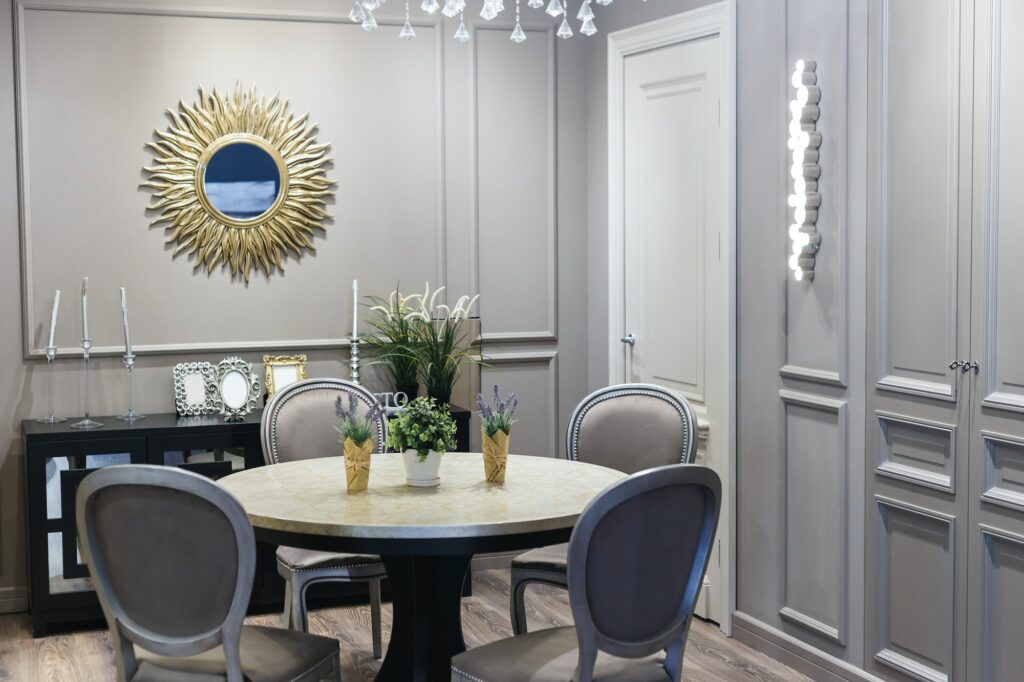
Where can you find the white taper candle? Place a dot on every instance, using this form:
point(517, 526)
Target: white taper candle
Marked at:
point(355, 309)
point(124, 318)
point(85, 308)
point(53, 317)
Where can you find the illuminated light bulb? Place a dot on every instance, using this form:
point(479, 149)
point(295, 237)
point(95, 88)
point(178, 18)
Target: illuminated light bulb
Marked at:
point(798, 275)
point(795, 200)
point(794, 230)
point(794, 263)
point(800, 215)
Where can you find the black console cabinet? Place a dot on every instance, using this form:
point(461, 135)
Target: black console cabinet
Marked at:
point(59, 457)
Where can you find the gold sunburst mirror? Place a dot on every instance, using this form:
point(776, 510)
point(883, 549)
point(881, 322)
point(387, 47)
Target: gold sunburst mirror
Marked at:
point(239, 181)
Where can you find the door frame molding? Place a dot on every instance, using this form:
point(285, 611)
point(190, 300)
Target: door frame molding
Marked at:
point(716, 19)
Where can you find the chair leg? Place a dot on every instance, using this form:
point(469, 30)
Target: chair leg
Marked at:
point(298, 606)
point(375, 626)
point(336, 673)
point(517, 606)
point(287, 615)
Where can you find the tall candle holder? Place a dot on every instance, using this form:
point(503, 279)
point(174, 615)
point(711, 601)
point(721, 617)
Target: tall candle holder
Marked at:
point(86, 422)
point(353, 359)
point(51, 354)
point(131, 415)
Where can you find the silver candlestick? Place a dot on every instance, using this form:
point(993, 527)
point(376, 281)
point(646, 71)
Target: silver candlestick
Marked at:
point(86, 422)
point(51, 354)
point(353, 359)
point(131, 415)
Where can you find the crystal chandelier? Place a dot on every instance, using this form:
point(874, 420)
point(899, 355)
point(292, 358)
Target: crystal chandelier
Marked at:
point(362, 14)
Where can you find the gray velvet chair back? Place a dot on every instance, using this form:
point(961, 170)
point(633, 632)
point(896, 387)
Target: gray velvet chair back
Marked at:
point(299, 421)
point(632, 427)
point(637, 559)
point(172, 557)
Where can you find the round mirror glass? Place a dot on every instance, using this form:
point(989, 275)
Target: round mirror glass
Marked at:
point(242, 180)
point(234, 389)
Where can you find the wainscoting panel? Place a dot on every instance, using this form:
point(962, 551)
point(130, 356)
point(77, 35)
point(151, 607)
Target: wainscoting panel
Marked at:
point(515, 175)
point(535, 376)
point(917, 252)
point(816, 312)
point(814, 443)
point(1001, 603)
point(917, 451)
point(914, 608)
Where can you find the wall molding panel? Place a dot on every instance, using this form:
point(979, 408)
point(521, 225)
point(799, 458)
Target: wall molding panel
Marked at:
point(504, 361)
point(918, 451)
point(933, 378)
point(814, 494)
point(1002, 552)
point(1002, 469)
point(909, 640)
point(113, 11)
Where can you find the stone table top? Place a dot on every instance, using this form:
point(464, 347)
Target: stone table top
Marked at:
point(309, 497)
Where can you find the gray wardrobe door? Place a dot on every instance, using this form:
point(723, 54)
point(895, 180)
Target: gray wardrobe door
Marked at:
point(919, 240)
point(996, 530)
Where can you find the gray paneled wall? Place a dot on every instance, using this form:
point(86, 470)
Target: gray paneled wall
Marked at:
point(445, 160)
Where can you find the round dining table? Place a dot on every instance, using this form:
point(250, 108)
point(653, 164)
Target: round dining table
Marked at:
point(425, 536)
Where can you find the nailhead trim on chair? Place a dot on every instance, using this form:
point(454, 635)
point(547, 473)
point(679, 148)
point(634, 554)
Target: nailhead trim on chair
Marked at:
point(326, 568)
point(617, 392)
point(320, 386)
point(466, 675)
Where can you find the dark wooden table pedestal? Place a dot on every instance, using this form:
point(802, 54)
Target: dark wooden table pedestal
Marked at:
point(426, 628)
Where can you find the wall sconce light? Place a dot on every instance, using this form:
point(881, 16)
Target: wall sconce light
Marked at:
point(804, 142)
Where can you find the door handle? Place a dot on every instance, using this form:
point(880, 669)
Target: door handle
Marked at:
point(974, 365)
point(965, 366)
point(629, 338)
point(954, 365)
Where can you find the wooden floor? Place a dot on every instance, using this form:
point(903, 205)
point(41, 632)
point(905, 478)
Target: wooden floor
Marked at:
point(87, 656)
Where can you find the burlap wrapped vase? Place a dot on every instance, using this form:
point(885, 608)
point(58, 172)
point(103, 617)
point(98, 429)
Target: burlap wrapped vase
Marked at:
point(495, 456)
point(357, 464)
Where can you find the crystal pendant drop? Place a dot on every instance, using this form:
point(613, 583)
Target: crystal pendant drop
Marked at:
point(451, 8)
point(554, 8)
point(518, 34)
point(430, 6)
point(588, 28)
point(462, 35)
point(370, 5)
point(535, 4)
point(369, 23)
point(407, 33)
point(357, 15)
point(604, 2)
point(564, 31)
point(585, 13)
point(499, 6)
point(487, 12)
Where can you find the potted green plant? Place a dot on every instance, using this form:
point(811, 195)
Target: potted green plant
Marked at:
point(440, 343)
point(496, 426)
point(422, 432)
point(394, 339)
point(357, 440)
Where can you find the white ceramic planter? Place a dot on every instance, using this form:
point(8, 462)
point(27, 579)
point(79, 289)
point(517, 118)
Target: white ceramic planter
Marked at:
point(422, 474)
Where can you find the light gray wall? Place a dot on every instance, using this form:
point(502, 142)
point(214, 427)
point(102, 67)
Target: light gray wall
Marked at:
point(801, 346)
point(373, 97)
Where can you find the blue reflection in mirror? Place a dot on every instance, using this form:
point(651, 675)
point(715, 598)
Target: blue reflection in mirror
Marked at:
point(241, 180)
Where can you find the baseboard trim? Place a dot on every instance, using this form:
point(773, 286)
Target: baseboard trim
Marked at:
point(798, 655)
point(13, 599)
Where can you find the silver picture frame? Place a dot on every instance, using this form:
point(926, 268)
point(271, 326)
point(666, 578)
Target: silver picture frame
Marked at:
point(192, 394)
point(235, 387)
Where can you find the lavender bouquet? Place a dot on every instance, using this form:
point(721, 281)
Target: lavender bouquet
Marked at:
point(357, 438)
point(496, 424)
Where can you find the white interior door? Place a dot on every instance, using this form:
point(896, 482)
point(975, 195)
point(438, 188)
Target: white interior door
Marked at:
point(673, 209)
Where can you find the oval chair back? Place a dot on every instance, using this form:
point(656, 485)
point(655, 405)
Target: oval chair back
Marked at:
point(637, 559)
point(172, 557)
point(299, 420)
point(650, 424)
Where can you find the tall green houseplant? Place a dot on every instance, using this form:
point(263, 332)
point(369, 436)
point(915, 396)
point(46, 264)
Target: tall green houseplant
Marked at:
point(440, 342)
point(394, 339)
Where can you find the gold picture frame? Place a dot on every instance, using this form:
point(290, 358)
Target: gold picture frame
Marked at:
point(242, 243)
point(279, 373)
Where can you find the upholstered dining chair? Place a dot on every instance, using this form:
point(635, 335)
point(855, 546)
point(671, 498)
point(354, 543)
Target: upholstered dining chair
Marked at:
point(636, 564)
point(172, 557)
point(628, 427)
point(299, 423)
